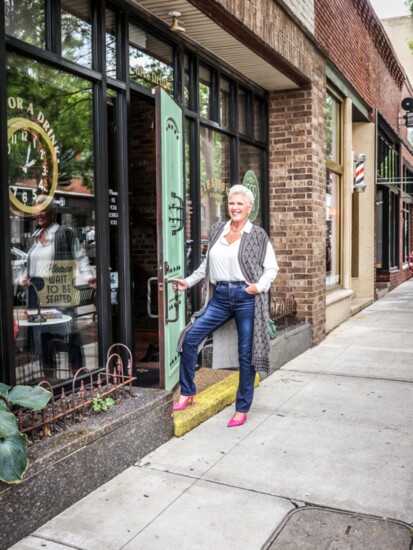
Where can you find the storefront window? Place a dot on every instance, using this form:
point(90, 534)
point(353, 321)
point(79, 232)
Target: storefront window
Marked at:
point(204, 91)
point(52, 213)
point(258, 117)
point(333, 191)
point(150, 60)
point(250, 160)
point(215, 179)
point(388, 171)
point(77, 32)
point(333, 128)
point(111, 43)
point(406, 231)
point(333, 229)
point(25, 19)
point(242, 111)
point(224, 102)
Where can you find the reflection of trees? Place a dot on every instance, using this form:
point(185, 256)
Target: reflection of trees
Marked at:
point(26, 20)
point(66, 102)
point(76, 39)
point(149, 71)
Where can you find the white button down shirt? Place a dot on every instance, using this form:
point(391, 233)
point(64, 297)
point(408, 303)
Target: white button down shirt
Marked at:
point(224, 264)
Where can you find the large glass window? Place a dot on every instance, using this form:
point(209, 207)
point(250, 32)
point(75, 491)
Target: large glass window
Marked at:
point(250, 163)
point(110, 38)
point(150, 60)
point(204, 91)
point(26, 20)
point(76, 32)
point(406, 231)
point(388, 173)
point(225, 102)
point(333, 191)
point(333, 223)
point(52, 213)
point(215, 178)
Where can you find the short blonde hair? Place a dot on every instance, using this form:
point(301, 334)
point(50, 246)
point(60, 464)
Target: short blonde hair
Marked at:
point(241, 190)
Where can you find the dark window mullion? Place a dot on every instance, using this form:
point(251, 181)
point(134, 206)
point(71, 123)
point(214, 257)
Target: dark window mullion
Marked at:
point(214, 97)
point(98, 36)
point(53, 26)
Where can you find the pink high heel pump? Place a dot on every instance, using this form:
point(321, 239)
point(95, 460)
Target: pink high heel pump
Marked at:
point(233, 423)
point(182, 406)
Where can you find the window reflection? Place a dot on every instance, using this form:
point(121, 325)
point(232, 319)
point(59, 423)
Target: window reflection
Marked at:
point(76, 32)
point(204, 91)
point(51, 185)
point(215, 179)
point(224, 102)
point(242, 111)
point(150, 60)
point(25, 19)
point(111, 43)
point(258, 117)
point(332, 229)
point(250, 159)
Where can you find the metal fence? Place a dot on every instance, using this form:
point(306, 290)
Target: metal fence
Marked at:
point(283, 311)
point(87, 388)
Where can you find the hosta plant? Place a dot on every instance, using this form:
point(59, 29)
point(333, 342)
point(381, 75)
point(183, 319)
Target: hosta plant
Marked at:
point(13, 443)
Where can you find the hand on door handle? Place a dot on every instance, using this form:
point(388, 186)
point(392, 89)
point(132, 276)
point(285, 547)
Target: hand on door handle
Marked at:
point(179, 285)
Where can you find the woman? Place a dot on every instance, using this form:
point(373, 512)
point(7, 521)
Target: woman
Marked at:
point(53, 246)
point(240, 265)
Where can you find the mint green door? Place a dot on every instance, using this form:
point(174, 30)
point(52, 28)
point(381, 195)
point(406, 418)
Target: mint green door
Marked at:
point(171, 232)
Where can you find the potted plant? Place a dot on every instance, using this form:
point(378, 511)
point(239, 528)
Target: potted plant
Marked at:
point(13, 443)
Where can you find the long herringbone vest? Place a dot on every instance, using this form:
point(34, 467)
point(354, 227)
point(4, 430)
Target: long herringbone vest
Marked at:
point(251, 257)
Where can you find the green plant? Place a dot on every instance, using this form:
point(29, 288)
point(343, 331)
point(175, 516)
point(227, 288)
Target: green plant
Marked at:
point(13, 443)
point(102, 405)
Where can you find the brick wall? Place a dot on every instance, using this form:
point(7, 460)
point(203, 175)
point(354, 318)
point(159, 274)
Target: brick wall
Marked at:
point(350, 47)
point(303, 10)
point(268, 20)
point(297, 197)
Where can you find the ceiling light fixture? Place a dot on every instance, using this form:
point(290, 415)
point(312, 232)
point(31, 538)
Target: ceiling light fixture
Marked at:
point(176, 25)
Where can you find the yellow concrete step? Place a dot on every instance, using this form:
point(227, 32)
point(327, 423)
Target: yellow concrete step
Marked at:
point(208, 403)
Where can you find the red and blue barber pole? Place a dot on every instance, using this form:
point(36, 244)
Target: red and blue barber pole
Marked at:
point(359, 185)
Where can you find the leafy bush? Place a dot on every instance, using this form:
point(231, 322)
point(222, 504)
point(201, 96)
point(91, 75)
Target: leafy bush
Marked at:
point(13, 443)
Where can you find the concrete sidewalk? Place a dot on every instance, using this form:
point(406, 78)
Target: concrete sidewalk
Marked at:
point(324, 460)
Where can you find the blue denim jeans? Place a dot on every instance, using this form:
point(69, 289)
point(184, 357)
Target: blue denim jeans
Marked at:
point(229, 301)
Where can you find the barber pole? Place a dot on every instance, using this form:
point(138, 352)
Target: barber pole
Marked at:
point(359, 184)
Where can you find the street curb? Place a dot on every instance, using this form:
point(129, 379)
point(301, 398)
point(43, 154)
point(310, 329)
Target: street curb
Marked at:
point(208, 403)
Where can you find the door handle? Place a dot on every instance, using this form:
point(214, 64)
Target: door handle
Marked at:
point(174, 306)
point(181, 210)
point(151, 280)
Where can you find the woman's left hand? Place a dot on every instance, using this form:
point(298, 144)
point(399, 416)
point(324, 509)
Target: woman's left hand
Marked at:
point(251, 288)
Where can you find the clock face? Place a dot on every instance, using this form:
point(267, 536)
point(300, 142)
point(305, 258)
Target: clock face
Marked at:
point(32, 165)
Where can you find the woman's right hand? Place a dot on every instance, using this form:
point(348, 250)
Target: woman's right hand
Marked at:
point(25, 281)
point(179, 285)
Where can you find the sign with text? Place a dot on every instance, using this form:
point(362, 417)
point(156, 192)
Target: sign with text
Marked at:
point(58, 286)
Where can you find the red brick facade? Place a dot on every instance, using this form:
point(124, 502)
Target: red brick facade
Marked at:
point(297, 198)
point(371, 71)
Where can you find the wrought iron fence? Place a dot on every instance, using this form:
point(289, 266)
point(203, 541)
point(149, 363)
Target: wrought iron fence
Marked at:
point(70, 408)
point(283, 311)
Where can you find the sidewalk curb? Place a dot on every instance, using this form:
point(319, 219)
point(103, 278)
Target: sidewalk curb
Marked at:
point(208, 403)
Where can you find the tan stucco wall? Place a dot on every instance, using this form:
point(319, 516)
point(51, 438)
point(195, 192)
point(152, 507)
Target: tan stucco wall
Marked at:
point(363, 142)
point(355, 292)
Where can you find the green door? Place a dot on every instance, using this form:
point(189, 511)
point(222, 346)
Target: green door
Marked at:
point(171, 232)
